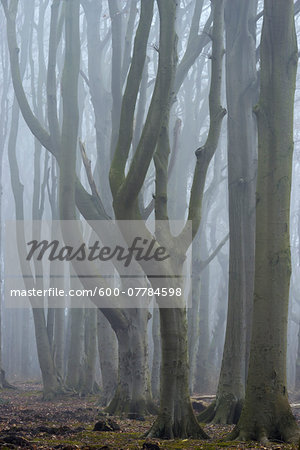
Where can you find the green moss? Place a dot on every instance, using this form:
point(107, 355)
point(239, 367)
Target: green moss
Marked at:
point(30, 393)
point(134, 441)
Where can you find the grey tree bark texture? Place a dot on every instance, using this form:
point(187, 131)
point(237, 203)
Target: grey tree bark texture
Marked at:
point(70, 187)
point(241, 89)
point(51, 381)
point(266, 412)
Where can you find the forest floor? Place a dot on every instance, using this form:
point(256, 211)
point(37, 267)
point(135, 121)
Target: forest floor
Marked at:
point(26, 421)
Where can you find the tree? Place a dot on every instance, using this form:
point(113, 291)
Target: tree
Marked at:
point(241, 96)
point(108, 355)
point(176, 417)
point(130, 396)
point(266, 413)
point(52, 383)
point(4, 114)
point(89, 204)
point(198, 314)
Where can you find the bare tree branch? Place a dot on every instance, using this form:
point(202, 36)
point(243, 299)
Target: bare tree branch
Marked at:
point(195, 46)
point(205, 153)
point(51, 78)
point(86, 203)
point(131, 186)
point(117, 171)
point(88, 168)
point(207, 261)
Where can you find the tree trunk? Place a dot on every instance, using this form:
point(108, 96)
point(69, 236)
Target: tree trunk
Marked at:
point(75, 355)
point(201, 293)
point(176, 417)
point(100, 99)
point(108, 355)
point(198, 315)
point(266, 413)
point(51, 382)
point(133, 394)
point(156, 354)
point(58, 343)
point(297, 374)
point(88, 372)
point(241, 90)
point(25, 352)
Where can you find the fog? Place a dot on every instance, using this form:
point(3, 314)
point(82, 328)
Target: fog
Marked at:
point(154, 140)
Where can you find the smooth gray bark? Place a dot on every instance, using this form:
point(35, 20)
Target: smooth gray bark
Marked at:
point(241, 91)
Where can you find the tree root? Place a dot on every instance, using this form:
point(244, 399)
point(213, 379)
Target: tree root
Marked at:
point(208, 414)
point(121, 405)
point(106, 395)
point(3, 381)
point(187, 427)
point(285, 430)
point(224, 410)
point(58, 392)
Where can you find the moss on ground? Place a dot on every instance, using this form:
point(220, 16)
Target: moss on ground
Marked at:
point(22, 412)
point(117, 441)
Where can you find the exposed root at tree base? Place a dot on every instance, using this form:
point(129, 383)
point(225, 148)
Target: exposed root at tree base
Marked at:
point(88, 390)
point(184, 429)
point(122, 405)
point(225, 410)
point(261, 433)
point(3, 381)
point(207, 415)
point(49, 395)
point(106, 397)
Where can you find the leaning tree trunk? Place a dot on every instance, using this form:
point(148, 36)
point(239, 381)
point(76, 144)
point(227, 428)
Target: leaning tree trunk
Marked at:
point(266, 413)
point(240, 90)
